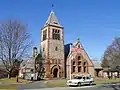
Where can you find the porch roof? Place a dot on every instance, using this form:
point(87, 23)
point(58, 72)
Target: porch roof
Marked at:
point(111, 70)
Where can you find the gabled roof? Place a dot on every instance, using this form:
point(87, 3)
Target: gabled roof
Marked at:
point(78, 48)
point(52, 20)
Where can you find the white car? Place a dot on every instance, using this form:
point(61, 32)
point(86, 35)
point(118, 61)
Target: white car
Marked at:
point(78, 80)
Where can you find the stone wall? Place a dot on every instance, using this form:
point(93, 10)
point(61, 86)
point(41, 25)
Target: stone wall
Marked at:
point(59, 53)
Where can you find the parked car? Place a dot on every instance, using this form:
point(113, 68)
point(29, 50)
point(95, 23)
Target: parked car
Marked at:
point(79, 80)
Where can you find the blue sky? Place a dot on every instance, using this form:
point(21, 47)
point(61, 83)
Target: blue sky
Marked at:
point(95, 22)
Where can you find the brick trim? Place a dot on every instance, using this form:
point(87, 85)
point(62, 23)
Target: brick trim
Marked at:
point(53, 26)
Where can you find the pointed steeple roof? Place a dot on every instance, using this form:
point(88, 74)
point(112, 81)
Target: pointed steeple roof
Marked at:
point(52, 20)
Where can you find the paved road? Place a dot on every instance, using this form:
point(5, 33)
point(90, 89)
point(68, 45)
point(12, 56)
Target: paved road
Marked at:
point(105, 87)
point(40, 85)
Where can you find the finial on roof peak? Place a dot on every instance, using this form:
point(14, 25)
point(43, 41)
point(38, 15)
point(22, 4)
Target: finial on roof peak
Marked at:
point(52, 11)
point(78, 39)
point(52, 6)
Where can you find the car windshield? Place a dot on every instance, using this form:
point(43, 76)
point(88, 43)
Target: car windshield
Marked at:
point(77, 77)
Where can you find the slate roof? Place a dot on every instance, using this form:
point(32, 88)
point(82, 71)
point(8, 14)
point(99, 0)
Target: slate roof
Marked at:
point(67, 49)
point(96, 64)
point(52, 20)
point(29, 63)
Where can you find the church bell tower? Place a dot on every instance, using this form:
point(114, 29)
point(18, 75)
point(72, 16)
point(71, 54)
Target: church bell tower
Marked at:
point(52, 47)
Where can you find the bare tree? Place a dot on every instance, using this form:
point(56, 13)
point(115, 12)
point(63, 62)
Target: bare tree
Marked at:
point(14, 43)
point(111, 58)
point(39, 66)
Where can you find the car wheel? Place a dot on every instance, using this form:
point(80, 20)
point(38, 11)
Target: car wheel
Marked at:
point(90, 83)
point(79, 84)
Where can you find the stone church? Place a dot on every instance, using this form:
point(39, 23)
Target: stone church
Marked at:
point(59, 58)
point(63, 61)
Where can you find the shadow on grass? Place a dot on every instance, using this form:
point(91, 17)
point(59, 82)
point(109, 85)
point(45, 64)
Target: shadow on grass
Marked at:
point(36, 80)
point(39, 80)
point(114, 86)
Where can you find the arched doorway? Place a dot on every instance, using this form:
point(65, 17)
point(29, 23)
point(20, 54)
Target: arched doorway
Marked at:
point(55, 73)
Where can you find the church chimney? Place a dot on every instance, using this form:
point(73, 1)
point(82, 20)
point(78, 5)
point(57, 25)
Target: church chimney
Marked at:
point(35, 52)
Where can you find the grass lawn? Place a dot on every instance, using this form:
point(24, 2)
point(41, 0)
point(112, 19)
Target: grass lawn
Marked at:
point(13, 81)
point(98, 81)
point(10, 87)
point(57, 83)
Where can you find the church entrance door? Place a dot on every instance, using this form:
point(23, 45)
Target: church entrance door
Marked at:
point(55, 73)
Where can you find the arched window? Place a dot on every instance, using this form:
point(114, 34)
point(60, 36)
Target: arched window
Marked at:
point(56, 34)
point(73, 62)
point(85, 66)
point(43, 49)
point(44, 35)
point(84, 69)
point(73, 66)
point(79, 68)
point(79, 62)
point(79, 58)
point(84, 63)
point(56, 48)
